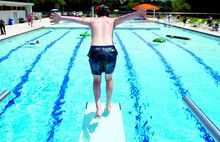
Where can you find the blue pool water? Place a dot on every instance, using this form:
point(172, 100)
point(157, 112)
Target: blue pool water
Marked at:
point(50, 84)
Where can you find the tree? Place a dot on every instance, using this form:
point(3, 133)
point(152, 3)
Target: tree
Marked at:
point(59, 4)
point(166, 5)
point(179, 5)
point(204, 6)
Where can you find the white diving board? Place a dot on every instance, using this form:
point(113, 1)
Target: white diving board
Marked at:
point(107, 129)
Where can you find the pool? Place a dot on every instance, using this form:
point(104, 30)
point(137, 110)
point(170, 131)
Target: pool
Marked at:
point(50, 84)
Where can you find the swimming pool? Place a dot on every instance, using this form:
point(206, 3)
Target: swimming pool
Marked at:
point(51, 83)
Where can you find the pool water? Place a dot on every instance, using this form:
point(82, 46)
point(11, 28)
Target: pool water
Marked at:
point(51, 82)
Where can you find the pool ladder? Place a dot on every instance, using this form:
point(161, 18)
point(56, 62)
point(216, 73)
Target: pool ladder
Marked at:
point(4, 94)
point(203, 118)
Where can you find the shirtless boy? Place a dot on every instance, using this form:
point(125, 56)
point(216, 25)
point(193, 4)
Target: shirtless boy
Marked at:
point(102, 53)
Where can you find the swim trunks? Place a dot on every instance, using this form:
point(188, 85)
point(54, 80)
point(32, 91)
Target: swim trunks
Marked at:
point(102, 59)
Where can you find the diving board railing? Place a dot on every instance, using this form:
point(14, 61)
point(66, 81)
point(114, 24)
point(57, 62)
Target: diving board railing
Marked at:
point(203, 118)
point(4, 94)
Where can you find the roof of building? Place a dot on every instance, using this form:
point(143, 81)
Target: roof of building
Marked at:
point(12, 3)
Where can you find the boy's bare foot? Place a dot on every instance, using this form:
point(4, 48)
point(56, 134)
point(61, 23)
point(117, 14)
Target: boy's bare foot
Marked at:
point(108, 107)
point(98, 114)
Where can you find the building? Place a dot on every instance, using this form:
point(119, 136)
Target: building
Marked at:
point(13, 11)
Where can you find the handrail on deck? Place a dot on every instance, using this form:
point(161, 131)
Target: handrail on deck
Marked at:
point(203, 118)
point(4, 94)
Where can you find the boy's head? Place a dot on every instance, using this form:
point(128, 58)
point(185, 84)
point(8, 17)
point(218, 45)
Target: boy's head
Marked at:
point(103, 10)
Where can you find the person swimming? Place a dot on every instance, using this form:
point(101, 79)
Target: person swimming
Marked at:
point(33, 43)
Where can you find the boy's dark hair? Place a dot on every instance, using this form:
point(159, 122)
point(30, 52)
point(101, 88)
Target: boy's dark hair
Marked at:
point(103, 10)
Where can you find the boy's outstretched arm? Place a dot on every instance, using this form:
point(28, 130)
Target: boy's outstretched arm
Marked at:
point(56, 17)
point(141, 12)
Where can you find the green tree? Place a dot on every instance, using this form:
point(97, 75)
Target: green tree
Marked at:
point(59, 4)
point(131, 5)
point(96, 2)
point(179, 5)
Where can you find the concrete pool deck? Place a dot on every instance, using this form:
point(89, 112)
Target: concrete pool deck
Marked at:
point(202, 28)
point(16, 29)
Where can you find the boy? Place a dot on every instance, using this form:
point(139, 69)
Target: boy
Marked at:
point(102, 54)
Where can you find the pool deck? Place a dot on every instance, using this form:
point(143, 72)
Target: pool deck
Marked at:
point(201, 28)
point(16, 29)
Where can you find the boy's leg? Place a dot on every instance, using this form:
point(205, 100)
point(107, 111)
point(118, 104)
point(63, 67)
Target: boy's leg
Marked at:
point(97, 93)
point(109, 89)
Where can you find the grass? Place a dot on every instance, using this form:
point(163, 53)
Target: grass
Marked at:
point(192, 20)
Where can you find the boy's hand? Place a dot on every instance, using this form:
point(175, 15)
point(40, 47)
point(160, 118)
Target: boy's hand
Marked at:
point(141, 12)
point(55, 17)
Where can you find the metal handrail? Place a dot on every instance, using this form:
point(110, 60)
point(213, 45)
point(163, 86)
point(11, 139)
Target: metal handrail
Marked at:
point(203, 118)
point(4, 94)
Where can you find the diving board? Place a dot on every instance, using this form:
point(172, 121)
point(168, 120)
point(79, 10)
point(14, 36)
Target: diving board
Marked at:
point(107, 129)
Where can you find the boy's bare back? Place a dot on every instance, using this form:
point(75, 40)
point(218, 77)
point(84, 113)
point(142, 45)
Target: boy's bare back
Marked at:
point(102, 30)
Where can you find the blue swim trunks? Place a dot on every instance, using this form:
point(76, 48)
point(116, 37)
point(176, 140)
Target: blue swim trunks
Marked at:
point(102, 59)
